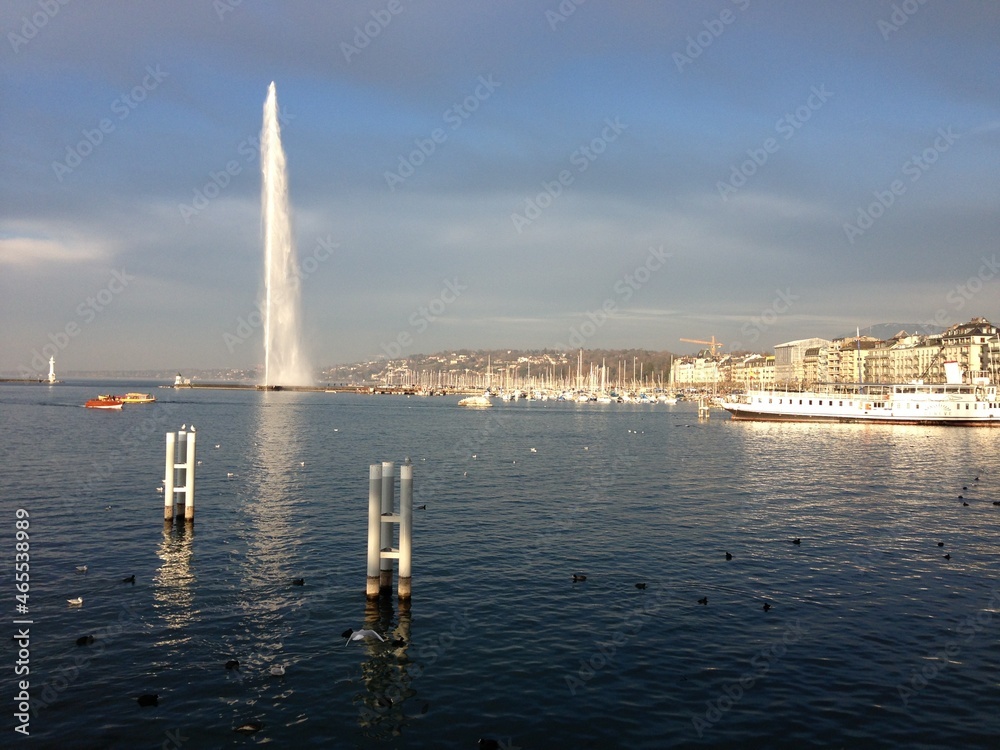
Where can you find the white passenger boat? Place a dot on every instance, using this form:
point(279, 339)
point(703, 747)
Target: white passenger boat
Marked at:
point(951, 403)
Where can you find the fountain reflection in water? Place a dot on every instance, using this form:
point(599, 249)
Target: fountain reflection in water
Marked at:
point(284, 359)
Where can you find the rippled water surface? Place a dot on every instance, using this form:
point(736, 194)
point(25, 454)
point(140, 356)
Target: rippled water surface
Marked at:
point(874, 639)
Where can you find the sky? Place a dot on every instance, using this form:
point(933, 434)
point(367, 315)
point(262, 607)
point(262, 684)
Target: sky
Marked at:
point(493, 174)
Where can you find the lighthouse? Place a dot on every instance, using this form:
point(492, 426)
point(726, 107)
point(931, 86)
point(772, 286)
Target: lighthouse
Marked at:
point(52, 369)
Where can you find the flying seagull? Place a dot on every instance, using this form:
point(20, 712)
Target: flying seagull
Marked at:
point(360, 635)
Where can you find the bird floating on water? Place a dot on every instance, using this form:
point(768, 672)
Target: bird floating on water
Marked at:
point(81, 568)
point(577, 577)
point(360, 635)
point(796, 541)
point(534, 450)
point(947, 557)
point(149, 699)
point(729, 556)
point(76, 602)
point(703, 600)
point(249, 728)
point(640, 586)
point(940, 544)
point(84, 640)
point(277, 670)
point(422, 507)
point(232, 664)
point(130, 579)
point(767, 606)
point(298, 581)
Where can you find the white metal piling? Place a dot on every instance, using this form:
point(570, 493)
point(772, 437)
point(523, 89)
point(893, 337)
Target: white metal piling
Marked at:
point(374, 529)
point(405, 527)
point(178, 476)
point(382, 517)
point(388, 501)
point(168, 479)
point(189, 487)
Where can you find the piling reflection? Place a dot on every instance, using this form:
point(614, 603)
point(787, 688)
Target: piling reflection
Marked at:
point(386, 671)
point(172, 583)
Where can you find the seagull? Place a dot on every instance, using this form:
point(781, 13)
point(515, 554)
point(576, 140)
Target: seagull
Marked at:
point(360, 635)
point(277, 670)
point(534, 450)
point(230, 475)
point(192, 428)
point(159, 489)
point(184, 426)
point(130, 579)
point(218, 445)
point(148, 699)
point(81, 568)
point(302, 463)
point(76, 602)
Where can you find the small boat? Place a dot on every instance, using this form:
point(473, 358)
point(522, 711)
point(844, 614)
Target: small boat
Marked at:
point(476, 401)
point(136, 398)
point(104, 402)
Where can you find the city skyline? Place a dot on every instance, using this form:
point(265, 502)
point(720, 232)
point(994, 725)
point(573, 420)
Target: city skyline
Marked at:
point(531, 175)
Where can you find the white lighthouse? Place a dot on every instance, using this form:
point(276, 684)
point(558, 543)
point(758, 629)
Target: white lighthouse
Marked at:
point(52, 369)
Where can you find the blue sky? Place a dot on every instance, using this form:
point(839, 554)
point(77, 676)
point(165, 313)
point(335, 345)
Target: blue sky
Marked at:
point(480, 174)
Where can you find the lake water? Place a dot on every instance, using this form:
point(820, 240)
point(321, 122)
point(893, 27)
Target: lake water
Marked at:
point(873, 638)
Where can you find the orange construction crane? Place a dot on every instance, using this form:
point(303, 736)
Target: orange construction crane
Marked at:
point(710, 344)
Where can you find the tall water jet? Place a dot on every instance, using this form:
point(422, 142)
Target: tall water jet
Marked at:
point(284, 359)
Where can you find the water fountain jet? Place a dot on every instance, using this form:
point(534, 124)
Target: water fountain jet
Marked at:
point(284, 359)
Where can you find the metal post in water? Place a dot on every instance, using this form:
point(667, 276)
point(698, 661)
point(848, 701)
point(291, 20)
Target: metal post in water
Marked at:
point(189, 489)
point(405, 526)
point(180, 471)
point(168, 479)
point(388, 501)
point(374, 528)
